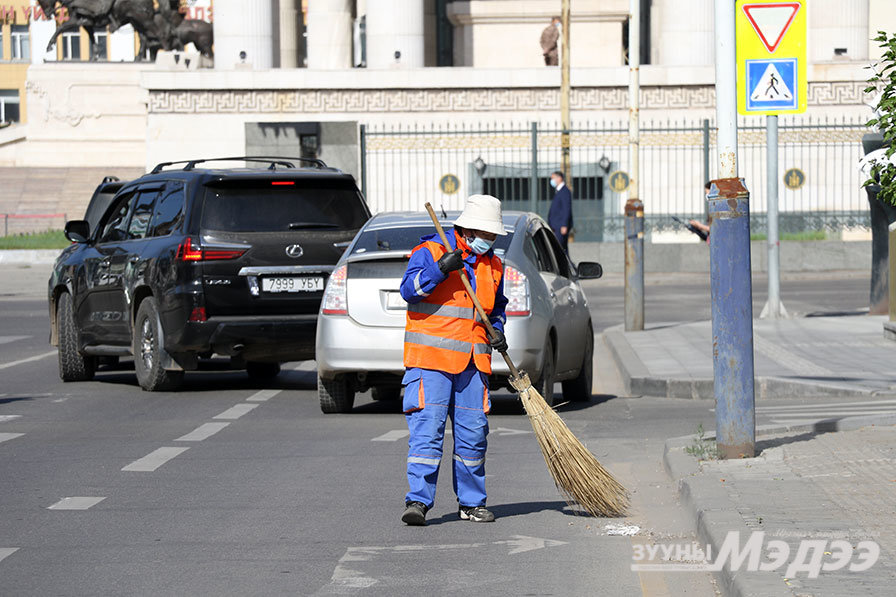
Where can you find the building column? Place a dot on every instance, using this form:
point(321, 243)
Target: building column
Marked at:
point(839, 24)
point(684, 37)
point(289, 33)
point(243, 26)
point(395, 26)
point(330, 34)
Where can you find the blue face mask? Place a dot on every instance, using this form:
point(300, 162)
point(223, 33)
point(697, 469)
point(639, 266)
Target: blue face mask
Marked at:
point(480, 246)
point(554, 183)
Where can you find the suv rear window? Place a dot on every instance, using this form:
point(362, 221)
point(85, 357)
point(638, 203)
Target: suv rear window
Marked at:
point(260, 206)
point(405, 239)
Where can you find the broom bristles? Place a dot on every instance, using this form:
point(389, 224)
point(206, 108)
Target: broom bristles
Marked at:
point(576, 472)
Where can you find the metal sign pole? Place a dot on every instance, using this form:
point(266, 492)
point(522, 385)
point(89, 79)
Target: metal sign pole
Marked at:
point(729, 256)
point(634, 209)
point(774, 308)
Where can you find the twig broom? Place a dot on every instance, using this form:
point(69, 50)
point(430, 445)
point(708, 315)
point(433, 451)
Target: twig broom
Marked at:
point(575, 470)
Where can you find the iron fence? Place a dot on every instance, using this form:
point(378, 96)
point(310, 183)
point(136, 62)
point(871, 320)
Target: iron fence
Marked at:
point(404, 166)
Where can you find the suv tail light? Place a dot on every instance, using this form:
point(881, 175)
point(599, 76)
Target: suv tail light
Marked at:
point(191, 251)
point(335, 301)
point(516, 289)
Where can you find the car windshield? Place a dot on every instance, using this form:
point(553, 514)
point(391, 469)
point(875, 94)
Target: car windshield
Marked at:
point(263, 207)
point(406, 238)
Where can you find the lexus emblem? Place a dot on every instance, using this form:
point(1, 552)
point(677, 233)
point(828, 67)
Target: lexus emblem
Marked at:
point(295, 251)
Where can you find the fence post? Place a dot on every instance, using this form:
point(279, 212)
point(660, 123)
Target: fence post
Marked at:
point(533, 174)
point(363, 149)
point(706, 175)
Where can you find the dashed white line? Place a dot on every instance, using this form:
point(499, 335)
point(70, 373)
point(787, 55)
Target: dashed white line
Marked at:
point(392, 436)
point(5, 418)
point(263, 395)
point(28, 360)
point(154, 460)
point(5, 437)
point(76, 503)
point(5, 552)
point(235, 412)
point(8, 339)
point(202, 432)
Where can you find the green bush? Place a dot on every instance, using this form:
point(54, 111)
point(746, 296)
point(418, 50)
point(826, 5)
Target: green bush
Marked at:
point(884, 172)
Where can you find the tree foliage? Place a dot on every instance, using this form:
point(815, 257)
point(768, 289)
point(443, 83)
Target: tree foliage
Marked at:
point(883, 170)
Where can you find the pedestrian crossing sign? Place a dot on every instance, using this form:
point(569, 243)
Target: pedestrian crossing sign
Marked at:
point(772, 85)
point(771, 56)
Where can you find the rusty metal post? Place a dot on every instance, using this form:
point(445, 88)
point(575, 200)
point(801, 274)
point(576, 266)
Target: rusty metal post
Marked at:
point(634, 265)
point(732, 318)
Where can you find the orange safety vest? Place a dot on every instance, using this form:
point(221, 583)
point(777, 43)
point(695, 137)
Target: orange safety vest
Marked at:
point(443, 329)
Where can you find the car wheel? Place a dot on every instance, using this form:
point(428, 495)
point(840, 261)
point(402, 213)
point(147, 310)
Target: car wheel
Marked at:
point(386, 393)
point(545, 385)
point(337, 395)
point(261, 371)
point(73, 366)
point(151, 376)
point(579, 389)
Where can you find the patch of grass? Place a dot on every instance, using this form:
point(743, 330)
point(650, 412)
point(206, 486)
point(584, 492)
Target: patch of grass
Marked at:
point(810, 235)
point(702, 448)
point(52, 239)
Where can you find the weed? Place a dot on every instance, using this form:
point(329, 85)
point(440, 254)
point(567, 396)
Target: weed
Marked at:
point(702, 448)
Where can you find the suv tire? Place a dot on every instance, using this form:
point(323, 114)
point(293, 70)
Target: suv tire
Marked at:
point(579, 389)
point(337, 395)
point(545, 385)
point(148, 351)
point(261, 371)
point(73, 366)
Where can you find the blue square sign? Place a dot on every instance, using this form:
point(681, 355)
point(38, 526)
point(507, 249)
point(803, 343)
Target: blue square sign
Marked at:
point(771, 85)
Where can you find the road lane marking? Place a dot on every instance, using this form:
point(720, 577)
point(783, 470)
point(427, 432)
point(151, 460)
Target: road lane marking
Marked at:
point(820, 405)
point(204, 431)
point(154, 460)
point(8, 339)
point(76, 503)
point(5, 418)
point(832, 413)
point(5, 437)
point(392, 436)
point(28, 360)
point(235, 412)
point(263, 395)
point(5, 552)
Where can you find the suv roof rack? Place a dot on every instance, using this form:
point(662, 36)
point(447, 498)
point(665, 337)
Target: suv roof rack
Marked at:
point(272, 161)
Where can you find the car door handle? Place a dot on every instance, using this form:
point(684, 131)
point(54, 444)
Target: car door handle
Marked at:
point(104, 264)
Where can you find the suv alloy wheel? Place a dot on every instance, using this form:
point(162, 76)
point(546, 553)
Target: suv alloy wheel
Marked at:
point(148, 344)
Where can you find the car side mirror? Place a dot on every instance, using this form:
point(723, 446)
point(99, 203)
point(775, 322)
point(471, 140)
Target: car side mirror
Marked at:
point(590, 270)
point(77, 231)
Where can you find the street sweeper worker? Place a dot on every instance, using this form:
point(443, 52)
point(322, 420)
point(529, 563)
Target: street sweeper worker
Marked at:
point(447, 355)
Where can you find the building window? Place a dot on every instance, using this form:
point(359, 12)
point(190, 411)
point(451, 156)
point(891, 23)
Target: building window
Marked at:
point(71, 45)
point(102, 44)
point(21, 43)
point(9, 105)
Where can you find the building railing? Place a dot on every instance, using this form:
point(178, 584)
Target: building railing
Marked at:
point(820, 189)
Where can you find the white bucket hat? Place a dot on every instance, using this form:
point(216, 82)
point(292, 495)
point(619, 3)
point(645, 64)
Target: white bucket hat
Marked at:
point(482, 212)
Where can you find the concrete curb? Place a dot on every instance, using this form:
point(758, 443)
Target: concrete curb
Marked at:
point(29, 257)
point(713, 514)
point(638, 381)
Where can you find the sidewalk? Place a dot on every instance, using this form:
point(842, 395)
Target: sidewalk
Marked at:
point(844, 356)
point(828, 488)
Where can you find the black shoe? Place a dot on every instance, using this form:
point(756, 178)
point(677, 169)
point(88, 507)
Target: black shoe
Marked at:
point(476, 514)
point(414, 514)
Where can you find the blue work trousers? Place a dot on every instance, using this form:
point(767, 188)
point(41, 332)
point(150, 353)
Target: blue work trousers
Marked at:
point(430, 398)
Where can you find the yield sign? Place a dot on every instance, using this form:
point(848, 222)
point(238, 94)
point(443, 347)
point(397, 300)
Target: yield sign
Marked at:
point(771, 21)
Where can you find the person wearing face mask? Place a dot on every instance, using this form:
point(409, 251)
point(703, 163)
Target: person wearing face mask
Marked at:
point(447, 356)
point(549, 38)
point(560, 214)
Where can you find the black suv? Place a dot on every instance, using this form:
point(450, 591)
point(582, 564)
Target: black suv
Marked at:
point(190, 261)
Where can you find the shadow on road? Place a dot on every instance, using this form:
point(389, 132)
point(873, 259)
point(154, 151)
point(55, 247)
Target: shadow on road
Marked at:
point(516, 509)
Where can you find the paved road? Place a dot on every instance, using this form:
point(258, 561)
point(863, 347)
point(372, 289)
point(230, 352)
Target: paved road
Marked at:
point(232, 488)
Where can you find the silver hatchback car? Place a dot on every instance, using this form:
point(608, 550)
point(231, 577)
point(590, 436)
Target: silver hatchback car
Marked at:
point(360, 329)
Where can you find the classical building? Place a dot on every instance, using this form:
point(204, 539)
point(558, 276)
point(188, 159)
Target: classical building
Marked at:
point(359, 82)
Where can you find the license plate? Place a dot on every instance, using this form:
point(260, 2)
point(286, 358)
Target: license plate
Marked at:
point(292, 284)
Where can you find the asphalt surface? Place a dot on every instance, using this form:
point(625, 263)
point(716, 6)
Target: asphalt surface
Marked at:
point(231, 488)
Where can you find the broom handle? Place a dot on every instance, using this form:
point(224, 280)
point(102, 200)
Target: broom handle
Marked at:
point(463, 278)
